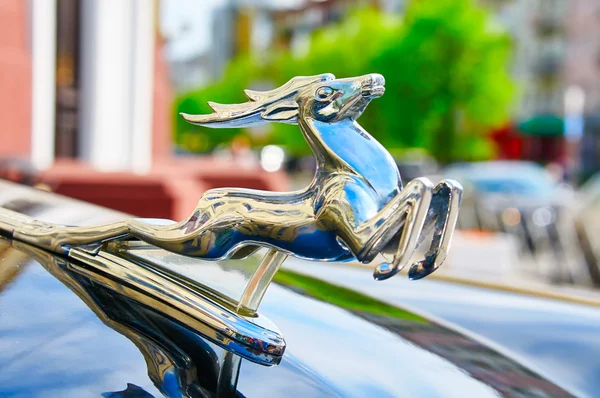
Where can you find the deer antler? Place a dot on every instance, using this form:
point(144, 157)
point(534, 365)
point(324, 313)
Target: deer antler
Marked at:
point(274, 105)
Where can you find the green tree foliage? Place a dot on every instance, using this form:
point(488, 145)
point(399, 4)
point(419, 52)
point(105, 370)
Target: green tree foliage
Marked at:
point(445, 64)
point(240, 73)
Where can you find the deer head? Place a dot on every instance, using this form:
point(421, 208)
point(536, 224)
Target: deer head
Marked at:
point(320, 97)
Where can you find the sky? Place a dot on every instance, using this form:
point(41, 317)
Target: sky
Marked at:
point(187, 26)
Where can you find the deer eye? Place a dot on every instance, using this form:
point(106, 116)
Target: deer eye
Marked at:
point(324, 93)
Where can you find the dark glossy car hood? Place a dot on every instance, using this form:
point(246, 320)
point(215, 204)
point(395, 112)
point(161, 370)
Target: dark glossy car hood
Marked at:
point(346, 336)
point(558, 339)
point(53, 345)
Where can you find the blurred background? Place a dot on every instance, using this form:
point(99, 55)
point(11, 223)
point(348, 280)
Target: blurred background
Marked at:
point(502, 95)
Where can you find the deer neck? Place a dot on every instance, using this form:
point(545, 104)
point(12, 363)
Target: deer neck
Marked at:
point(346, 146)
point(316, 134)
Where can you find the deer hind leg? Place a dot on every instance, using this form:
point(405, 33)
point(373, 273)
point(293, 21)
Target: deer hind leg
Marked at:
point(414, 202)
point(442, 216)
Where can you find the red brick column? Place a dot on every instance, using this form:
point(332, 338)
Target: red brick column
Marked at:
point(15, 79)
point(161, 113)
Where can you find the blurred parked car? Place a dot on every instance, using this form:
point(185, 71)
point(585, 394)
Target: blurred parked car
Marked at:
point(301, 164)
point(416, 163)
point(524, 199)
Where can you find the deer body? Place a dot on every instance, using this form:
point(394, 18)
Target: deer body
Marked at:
point(355, 207)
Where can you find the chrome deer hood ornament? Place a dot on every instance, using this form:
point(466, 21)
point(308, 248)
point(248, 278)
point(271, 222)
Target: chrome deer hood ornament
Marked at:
point(354, 209)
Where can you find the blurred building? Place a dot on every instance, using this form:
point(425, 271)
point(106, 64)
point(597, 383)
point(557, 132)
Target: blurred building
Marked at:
point(84, 81)
point(86, 103)
point(15, 64)
point(260, 26)
point(582, 70)
point(190, 72)
point(539, 40)
point(556, 48)
point(582, 53)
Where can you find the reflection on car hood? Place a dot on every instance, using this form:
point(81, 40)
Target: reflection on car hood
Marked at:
point(340, 343)
point(559, 339)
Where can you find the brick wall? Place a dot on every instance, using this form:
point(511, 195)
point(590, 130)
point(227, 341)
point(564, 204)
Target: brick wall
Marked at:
point(15, 79)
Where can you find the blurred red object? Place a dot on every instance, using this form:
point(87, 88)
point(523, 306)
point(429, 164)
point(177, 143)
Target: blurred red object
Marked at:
point(170, 190)
point(17, 170)
point(508, 141)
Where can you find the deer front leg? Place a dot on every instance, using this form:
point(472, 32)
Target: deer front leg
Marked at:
point(364, 229)
point(442, 215)
point(412, 204)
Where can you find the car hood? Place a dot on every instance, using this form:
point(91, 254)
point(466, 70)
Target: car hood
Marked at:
point(63, 335)
point(556, 338)
point(339, 343)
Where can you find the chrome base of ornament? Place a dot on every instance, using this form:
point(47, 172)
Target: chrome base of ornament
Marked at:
point(187, 302)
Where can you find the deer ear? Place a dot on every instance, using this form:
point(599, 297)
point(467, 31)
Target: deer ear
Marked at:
point(285, 111)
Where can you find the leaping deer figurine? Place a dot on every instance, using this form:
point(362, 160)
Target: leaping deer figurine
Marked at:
point(355, 207)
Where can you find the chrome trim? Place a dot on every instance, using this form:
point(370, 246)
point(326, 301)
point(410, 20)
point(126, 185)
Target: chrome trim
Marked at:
point(172, 364)
point(260, 281)
point(242, 335)
point(247, 337)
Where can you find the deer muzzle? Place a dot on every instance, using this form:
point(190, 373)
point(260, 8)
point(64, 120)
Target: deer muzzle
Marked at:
point(373, 85)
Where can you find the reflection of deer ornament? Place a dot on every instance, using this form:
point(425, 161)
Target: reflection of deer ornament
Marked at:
point(355, 207)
